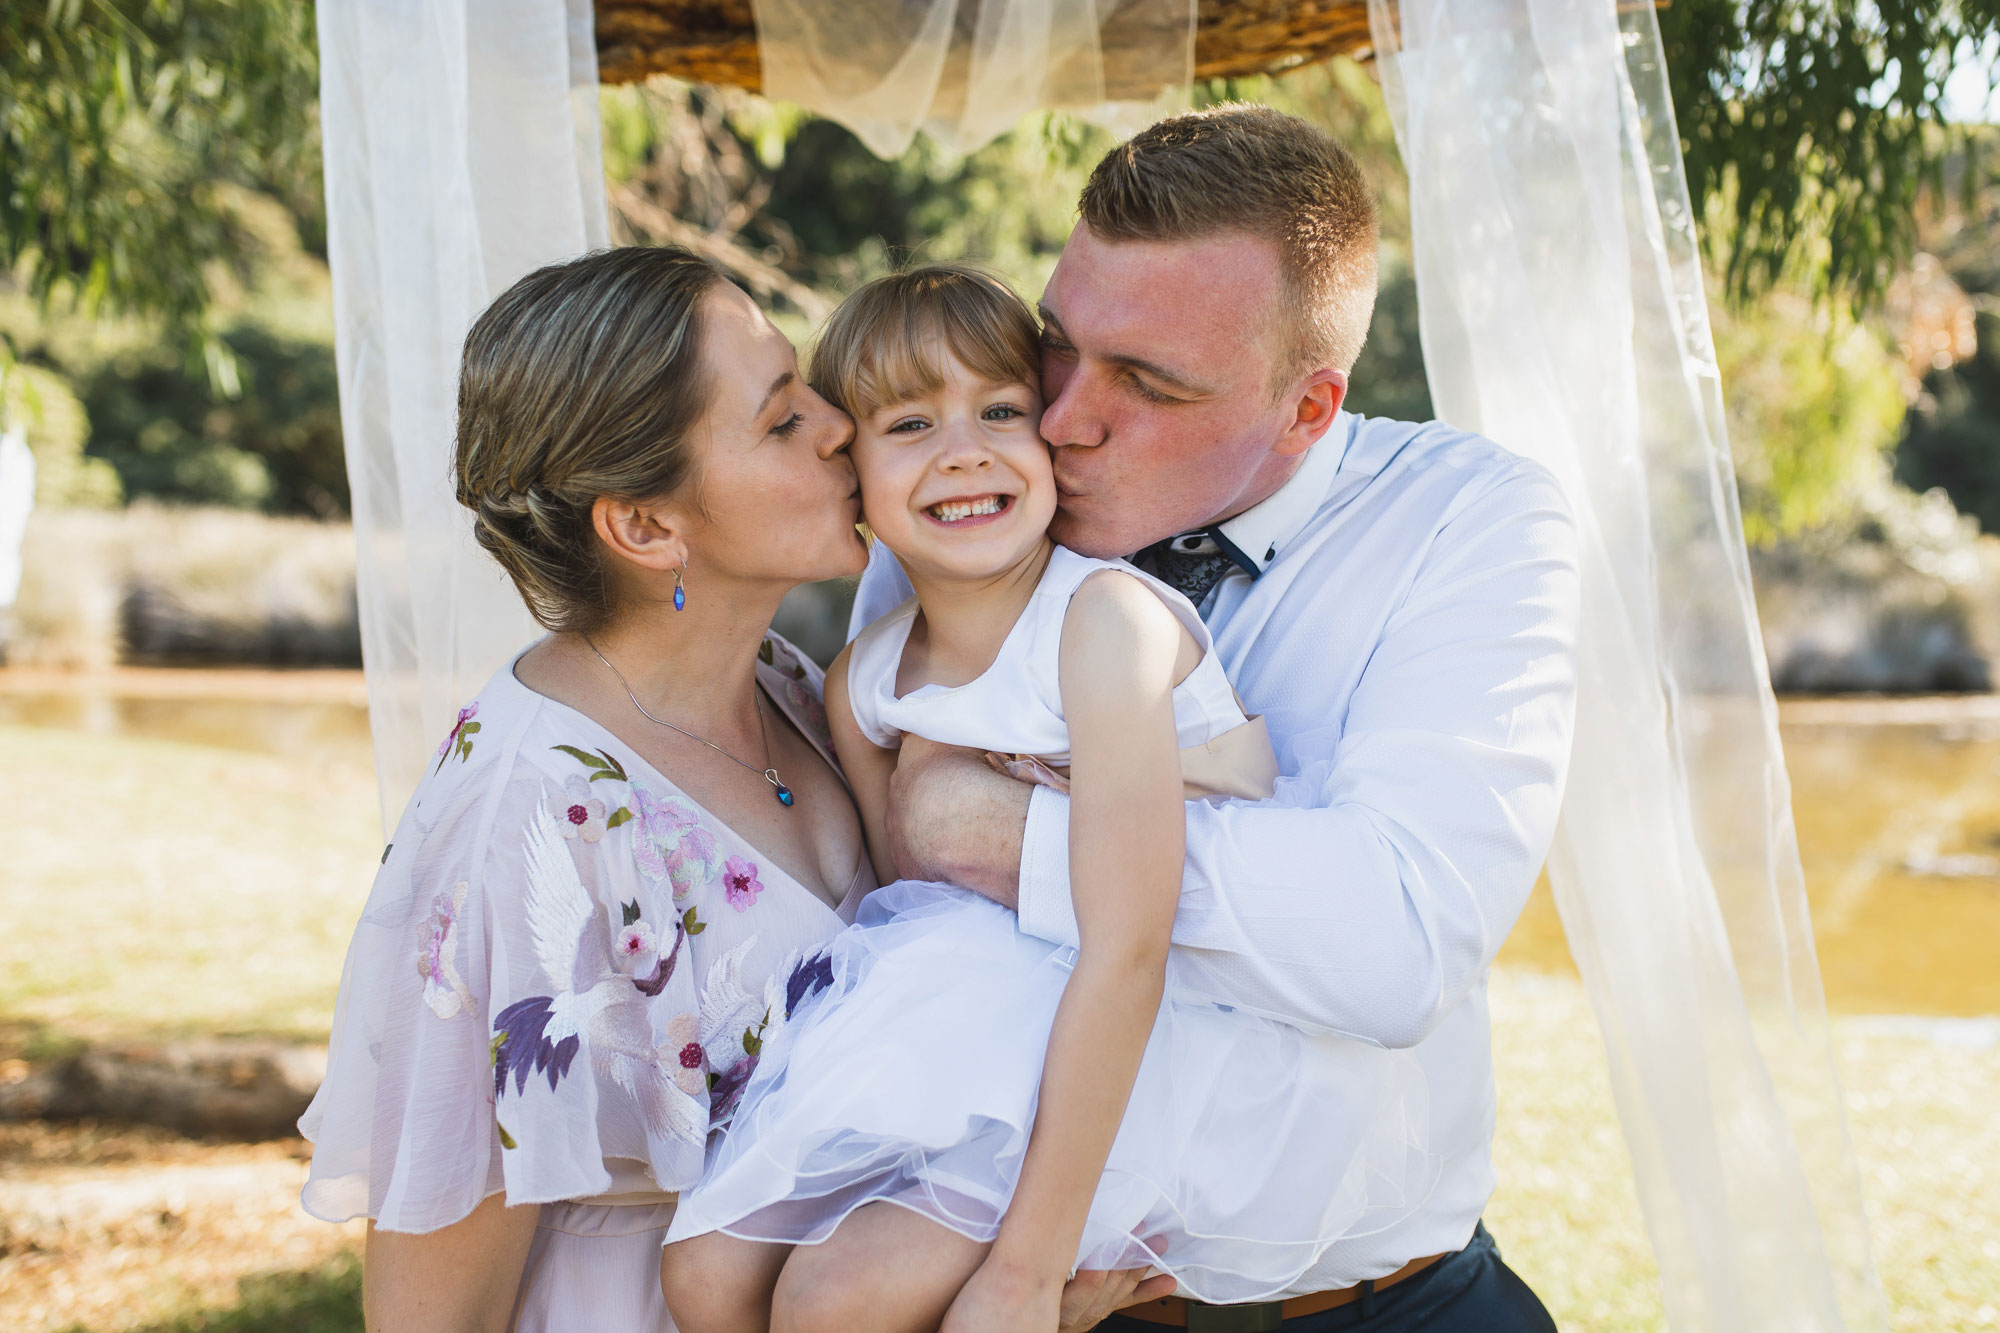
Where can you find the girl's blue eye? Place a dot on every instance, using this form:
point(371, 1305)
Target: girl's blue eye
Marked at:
point(908, 425)
point(1003, 412)
point(789, 425)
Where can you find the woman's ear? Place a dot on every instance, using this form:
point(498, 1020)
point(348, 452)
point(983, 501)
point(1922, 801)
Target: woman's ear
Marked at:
point(650, 536)
point(1313, 410)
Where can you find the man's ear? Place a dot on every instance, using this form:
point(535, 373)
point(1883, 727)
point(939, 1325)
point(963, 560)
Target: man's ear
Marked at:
point(1313, 408)
point(650, 536)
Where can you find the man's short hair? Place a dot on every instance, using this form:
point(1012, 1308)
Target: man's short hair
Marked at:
point(1252, 170)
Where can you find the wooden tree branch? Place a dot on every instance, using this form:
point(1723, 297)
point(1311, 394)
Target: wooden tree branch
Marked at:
point(715, 41)
point(766, 280)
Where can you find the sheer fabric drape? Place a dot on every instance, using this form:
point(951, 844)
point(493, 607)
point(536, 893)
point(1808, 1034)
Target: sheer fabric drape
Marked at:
point(461, 146)
point(965, 71)
point(1563, 316)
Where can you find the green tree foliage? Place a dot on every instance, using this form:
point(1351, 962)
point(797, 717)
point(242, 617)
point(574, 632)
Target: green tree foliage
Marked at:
point(132, 133)
point(802, 194)
point(1954, 432)
point(57, 427)
point(122, 125)
point(274, 447)
point(1811, 128)
point(1814, 401)
point(1952, 439)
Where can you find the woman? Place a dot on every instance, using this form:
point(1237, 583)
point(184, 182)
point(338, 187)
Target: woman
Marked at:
point(630, 840)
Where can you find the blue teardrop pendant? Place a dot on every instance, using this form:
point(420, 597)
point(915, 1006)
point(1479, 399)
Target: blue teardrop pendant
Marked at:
point(680, 599)
point(784, 794)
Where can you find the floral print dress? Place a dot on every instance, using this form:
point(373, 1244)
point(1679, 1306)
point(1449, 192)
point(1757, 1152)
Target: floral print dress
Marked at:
point(559, 985)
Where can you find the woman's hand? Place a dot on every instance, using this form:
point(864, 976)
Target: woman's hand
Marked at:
point(1006, 1298)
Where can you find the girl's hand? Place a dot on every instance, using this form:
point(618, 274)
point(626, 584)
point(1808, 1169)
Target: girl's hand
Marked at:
point(1003, 1298)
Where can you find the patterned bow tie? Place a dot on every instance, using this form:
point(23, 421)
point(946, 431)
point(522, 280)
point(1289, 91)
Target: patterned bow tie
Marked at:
point(1192, 563)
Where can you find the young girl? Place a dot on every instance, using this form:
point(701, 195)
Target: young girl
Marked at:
point(1024, 1109)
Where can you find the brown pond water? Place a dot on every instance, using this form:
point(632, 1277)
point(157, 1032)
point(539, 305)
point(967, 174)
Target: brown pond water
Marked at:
point(1897, 804)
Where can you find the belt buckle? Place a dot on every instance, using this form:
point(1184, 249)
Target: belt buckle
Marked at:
point(1258, 1317)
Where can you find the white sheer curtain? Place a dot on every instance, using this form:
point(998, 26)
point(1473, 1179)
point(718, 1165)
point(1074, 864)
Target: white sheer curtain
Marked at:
point(1563, 315)
point(965, 71)
point(461, 146)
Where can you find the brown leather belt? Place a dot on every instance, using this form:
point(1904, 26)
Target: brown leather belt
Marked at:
point(1179, 1312)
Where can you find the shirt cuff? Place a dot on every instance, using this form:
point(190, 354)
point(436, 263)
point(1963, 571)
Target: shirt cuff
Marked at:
point(1042, 897)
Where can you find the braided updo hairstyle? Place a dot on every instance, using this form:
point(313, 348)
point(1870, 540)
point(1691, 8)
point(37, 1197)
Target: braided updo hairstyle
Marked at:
point(581, 380)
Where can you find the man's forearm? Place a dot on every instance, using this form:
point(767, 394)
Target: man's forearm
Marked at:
point(1266, 924)
point(1332, 919)
point(954, 820)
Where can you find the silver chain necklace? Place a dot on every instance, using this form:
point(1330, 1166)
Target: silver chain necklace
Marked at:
point(769, 775)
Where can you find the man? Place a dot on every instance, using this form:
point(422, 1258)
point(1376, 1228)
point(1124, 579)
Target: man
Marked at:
point(1400, 603)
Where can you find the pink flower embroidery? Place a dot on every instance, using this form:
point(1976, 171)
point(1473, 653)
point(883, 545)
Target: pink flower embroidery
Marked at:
point(740, 884)
point(685, 1061)
point(444, 989)
point(636, 948)
point(673, 845)
point(578, 813)
point(461, 735)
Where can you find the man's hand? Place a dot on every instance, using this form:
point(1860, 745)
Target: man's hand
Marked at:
point(954, 820)
point(1090, 1297)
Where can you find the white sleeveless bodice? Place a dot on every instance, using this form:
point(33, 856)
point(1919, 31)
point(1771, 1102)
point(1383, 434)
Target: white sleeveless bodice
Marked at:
point(1015, 705)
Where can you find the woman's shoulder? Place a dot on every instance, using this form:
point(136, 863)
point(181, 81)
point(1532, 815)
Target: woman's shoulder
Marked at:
point(477, 761)
point(509, 753)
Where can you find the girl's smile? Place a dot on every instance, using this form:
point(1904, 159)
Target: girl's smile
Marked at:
point(955, 478)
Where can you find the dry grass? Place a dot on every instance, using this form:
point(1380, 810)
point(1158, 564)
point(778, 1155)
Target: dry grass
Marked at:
point(1920, 1099)
point(157, 887)
point(107, 1229)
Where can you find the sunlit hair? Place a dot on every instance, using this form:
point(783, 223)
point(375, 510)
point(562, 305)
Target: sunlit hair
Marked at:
point(1252, 170)
point(885, 343)
point(583, 379)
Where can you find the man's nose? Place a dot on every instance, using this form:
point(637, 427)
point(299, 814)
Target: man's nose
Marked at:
point(1068, 421)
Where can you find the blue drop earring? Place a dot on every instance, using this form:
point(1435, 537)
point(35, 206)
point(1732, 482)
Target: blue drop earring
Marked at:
point(680, 590)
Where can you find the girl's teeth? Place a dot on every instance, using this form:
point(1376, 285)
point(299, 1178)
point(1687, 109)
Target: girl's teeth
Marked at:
point(955, 510)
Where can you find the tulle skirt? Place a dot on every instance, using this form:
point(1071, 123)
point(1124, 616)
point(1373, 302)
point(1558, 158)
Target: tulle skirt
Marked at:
point(1248, 1147)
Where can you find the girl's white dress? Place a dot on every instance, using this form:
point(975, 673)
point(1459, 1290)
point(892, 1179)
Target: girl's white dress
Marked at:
point(907, 1070)
point(555, 991)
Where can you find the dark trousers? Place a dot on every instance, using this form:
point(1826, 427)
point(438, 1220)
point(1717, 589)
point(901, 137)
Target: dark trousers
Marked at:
point(1472, 1291)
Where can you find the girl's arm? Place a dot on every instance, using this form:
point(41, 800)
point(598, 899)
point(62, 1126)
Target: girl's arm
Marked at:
point(1122, 652)
point(463, 1278)
point(868, 766)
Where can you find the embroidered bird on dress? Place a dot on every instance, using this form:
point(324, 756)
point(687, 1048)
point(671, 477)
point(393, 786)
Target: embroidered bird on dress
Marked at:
point(594, 1006)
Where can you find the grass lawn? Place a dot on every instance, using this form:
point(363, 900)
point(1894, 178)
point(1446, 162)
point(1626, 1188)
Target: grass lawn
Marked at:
point(158, 888)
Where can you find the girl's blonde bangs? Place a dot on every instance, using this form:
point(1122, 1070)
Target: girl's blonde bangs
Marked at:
point(886, 343)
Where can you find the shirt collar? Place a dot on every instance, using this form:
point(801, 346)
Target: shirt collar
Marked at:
point(1262, 530)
